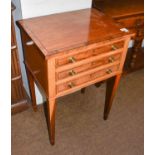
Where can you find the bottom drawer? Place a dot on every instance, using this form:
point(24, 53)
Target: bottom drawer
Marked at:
point(72, 84)
point(80, 82)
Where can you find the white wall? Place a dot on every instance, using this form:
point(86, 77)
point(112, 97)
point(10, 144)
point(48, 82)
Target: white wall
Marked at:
point(34, 8)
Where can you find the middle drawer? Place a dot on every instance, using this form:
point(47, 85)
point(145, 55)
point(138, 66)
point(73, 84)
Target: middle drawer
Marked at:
point(80, 69)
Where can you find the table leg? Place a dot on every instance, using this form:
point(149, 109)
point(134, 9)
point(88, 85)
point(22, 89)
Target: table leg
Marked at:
point(112, 85)
point(51, 119)
point(32, 90)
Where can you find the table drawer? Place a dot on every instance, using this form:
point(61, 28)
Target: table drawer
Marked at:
point(82, 55)
point(73, 83)
point(80, 69)
point(79, 82)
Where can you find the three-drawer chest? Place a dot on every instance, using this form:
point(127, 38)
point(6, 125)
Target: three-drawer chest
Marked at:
point(69, 51)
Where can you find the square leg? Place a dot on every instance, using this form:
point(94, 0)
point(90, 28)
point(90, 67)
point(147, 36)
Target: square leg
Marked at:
point(51, 107)
point(112, 85)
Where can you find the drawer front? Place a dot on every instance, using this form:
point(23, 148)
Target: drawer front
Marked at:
point(80, 82)
point(80, 69)
point(132, 22)
point(71, 84)
point(82, 55)
point(74, 58)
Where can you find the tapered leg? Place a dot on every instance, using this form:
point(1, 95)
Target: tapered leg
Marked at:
point(32, 90)
point(51, 119)
point(112, 85)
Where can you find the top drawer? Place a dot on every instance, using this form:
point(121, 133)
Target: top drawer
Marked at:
point(84, 54)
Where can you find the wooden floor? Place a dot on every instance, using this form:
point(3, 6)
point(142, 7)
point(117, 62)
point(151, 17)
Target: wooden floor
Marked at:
point(80, 128)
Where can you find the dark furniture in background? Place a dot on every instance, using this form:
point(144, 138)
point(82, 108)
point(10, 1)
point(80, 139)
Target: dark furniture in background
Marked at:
point(129, 14)
point(19, 97)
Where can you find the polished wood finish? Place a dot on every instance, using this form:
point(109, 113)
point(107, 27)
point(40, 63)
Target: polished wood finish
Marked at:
point(128, 14)
point(69, 51)
point(19, 98)
point(91, 29)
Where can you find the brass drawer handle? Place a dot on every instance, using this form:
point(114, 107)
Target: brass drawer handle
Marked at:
point(72, 73)
point(109, 71)
point(111, 59)
point(114, 47)
point(13, 47)
point(29, 43)
point(71, 85)
point(72, 59)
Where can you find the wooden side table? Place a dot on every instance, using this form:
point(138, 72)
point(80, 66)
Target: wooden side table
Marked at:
point(69, 51)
